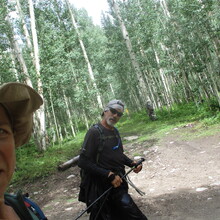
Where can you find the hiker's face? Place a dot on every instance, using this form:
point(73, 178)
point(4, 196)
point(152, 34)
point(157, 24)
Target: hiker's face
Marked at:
point(112, 117)
point(7, 151)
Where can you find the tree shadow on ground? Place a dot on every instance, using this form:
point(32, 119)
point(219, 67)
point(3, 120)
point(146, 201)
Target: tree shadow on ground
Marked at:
point(187, 204)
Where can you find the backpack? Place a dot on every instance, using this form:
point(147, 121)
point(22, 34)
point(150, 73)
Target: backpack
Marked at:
point(25, 208)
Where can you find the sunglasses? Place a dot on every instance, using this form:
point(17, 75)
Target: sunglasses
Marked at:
point(114, 111)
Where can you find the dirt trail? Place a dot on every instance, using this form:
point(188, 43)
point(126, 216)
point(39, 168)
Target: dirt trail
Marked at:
point(181, 180)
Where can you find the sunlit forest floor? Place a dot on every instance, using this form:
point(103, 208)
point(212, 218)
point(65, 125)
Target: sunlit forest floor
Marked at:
point(180, 178)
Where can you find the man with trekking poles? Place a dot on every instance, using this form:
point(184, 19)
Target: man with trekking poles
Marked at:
point(104, 187)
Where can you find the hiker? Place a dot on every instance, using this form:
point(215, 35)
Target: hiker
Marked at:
point(102, 164)
point(150, 111)
point(17, 104)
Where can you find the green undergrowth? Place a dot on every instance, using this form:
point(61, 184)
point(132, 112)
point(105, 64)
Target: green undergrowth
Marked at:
point(32, 164)
point(203, 120)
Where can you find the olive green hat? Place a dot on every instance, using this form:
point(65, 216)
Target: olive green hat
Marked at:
point(20, 101)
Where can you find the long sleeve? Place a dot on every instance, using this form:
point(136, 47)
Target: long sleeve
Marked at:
point(89, 166)
point(127, 161)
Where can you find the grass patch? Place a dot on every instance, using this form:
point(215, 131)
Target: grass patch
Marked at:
point(205, 122)
point(32, 164)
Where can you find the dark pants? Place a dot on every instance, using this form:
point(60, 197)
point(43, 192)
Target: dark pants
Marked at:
point(118, 206)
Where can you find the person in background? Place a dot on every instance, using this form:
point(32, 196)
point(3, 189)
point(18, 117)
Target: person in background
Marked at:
point(17, 104)
point(150, 111)
point(102, 162)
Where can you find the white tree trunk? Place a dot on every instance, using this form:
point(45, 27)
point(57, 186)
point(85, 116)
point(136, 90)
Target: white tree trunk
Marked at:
point(18, 53)
point(85, 56)
point(69, 115)
point(165, 8)
point(143, 90)
point(112, 90)
point(13, 58)
point(168, 94)
point(210, 69)
point(24, 26)
point(54, 116)
point(85, 119)
point(41, 127)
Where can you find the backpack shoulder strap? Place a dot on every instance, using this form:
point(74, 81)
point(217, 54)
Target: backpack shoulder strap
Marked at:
point(25, 208)
point(17, 203)
point(102, 140)
point(116, 132)
point(35, 209)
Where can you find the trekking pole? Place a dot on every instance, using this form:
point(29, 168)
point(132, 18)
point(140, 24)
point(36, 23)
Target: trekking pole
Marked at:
point(123, 177)
point(103, 202)
point(109, 189)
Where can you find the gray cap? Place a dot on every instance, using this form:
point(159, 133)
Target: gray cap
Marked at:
point(116, 104)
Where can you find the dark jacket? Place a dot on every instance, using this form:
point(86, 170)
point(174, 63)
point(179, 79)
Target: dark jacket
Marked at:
point(95, 173)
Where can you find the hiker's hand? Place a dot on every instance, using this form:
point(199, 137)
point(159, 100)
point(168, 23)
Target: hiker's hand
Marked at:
point(114, 179)
point(117, 181)
point(138, 168)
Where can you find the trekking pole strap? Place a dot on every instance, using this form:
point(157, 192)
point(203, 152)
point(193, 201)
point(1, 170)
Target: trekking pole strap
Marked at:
point(128, 180)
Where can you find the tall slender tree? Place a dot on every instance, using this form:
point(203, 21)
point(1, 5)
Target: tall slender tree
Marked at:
point(40, 132)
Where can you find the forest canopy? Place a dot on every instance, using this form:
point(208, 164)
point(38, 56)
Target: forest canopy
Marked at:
point(165, 51)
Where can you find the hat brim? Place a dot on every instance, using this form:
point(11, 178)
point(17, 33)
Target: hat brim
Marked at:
point(21, 101)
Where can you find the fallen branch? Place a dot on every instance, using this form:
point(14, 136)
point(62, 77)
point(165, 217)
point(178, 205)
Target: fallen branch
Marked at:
point(68, 164)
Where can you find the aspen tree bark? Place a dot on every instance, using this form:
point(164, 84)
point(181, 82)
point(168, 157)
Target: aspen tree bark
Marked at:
point(54, 116)
point(69, 115)
point(204, 89)
point(150, 87)
point(147, 77)
point(135, 100)
point(13, 58)
point(165, 8)
point(98, 96)
point(206, 78)
point(168, 94)
point(143, 90)
point(214, 37)
point(86, 119)
point(150, 81)
point(23, 65)
point(187, 87)
point(112, 90)
point(40, 127)
point(73, 115)
point(60, 133)
point(210, 69)
point(203, 78)
point(18, 53)
point(24, 26)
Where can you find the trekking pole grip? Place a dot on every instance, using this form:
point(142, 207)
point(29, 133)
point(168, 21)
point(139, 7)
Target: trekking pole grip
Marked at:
point(139, 162)
point(135, 166)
